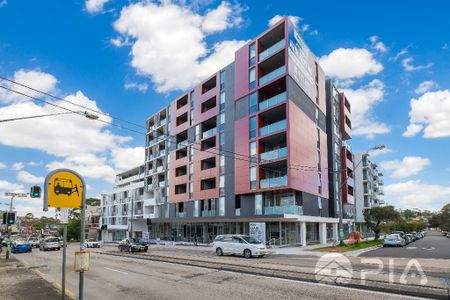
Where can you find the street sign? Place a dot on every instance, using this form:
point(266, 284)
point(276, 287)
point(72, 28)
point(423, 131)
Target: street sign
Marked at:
point(64, 216)
point(258, 231)
point(82, 261)
point(63, 188)
point(21, 195)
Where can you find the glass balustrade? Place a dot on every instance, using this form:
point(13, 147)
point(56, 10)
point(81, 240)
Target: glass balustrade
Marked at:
point(272, 75)
point(274, 154)
point(273, 101)
point(209, 133)
point(272, 49)
point(281, 210)
point(273, 182)
point(274, 127)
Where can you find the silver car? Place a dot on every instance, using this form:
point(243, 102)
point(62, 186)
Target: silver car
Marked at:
point(394, 240)
point(49, 243)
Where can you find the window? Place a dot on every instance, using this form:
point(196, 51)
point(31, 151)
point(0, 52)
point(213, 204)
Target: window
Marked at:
point(253, 178)
point(253, 152)
point(222, 80)
point(196, 209)
point(318, 160)
point(222, 141)
point(319, 183)
point(221, 121)
point(222, 164)
point(221, 185)
point(252, 127)
point(317, 115)
point(252, 79)
point(252, 54)
point(258, 204)
point(197, 133)
point(253, 103)
point(191, 189)
point(192, 98)
point(222, 101)
point(221, 206)
point(318, 138)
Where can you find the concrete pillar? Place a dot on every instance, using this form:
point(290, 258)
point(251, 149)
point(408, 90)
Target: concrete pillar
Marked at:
point(335, 232)
point(303, 233)
point(323, 233)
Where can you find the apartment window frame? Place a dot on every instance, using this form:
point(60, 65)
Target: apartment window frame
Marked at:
point(253, 176)
point(252, 54)
point(253, 103)
point(252, 127)
point(258, 204)
point(252, 78)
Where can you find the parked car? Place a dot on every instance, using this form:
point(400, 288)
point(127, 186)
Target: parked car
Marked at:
point(132, 245)
point(91, 244)
point(20, 246)
point(240, 245)
point(49, 243)
point(401, 233)
point(34, 242)
point(409, 238)
point(394, 240)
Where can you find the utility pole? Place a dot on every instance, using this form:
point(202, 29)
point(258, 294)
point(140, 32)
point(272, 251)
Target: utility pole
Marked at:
point(341, 225)
point(12, 195)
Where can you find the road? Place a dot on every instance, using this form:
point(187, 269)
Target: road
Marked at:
point(113, 277)
point(433, 245)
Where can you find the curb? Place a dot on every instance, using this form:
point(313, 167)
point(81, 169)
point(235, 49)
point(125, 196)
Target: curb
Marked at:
point(359, 252)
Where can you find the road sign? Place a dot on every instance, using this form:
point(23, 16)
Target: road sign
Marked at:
point(20, 195)
point(64, 215)
point(82, 261)
point(63, 188)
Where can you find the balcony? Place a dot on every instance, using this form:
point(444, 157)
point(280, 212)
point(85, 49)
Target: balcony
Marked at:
point(272, 75)
point(273, 182)
point(160, 169)
point(274, 154)
point(273, 49)
point(274, 127)
point(208, 213)
point(163, 122)
point(273, 101)
point(284, 210)
point(162, 184)
point(181, 214)
point(209, 133)
point(182, 144)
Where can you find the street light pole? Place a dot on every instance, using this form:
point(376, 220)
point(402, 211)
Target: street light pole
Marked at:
point(341, 225)
point(8, 247)
point(83, 113)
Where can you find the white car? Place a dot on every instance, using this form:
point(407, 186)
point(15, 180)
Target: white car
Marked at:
point(239, 244)
point(91, 244)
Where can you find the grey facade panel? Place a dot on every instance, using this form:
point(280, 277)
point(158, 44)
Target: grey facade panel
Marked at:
point(298, 96)
point(248, 205)
point(242, 108)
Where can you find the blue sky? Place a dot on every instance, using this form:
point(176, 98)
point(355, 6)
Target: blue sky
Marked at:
point(128, 58)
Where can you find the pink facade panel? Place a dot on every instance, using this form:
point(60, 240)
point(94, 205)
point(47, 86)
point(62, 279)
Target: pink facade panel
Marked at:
point(302, 149)
point(322, 90)
point(241, 72)
point(242, 166)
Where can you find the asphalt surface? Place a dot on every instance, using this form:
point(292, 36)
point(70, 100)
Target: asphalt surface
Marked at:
point(433, 245)
point(113, 277)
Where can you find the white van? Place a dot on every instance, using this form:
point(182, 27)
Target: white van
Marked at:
point(239, 244)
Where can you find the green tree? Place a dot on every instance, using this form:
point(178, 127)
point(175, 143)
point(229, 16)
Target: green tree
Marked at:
point(29, 216)
point(408, 214)
point(93, 202)
point(377, 216)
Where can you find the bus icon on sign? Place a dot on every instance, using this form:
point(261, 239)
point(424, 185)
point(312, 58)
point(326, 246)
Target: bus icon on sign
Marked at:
point(64, 186)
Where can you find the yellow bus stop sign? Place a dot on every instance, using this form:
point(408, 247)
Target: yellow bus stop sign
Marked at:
point(63, 188)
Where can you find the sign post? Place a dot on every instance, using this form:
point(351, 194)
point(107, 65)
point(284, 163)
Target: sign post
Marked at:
point(64, 221)
point(65, 188)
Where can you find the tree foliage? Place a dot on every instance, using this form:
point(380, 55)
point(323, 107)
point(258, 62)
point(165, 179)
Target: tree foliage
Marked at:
point(442, 218)
point(378, 217)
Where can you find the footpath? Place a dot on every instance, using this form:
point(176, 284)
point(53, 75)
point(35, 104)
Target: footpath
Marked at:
point(18, 282)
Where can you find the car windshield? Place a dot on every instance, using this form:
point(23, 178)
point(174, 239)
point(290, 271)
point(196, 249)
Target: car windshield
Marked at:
point(52, 240)
point(392, 236)
point(250, 240)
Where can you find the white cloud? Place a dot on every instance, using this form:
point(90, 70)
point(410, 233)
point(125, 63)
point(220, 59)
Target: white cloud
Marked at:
point(445, 46)
point(362, 101)
point(3, 3)
point(17, 166)
point(408, 166)
point(35, 163)
point(127, 158)
point(377, 44)
point(415, 193)
point(430, 113)
point(346, 63)
point(26, 177)
point(314, 32)
point(95, 6)
point(409, 67)
point(2, 166)
point(156, 31)
point(425, 86)
point(402, 52)
point(11, 187)
point(75, 141)
point(141, 87)
point(294, 19)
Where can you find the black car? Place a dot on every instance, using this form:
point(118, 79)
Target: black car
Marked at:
point(132, 245)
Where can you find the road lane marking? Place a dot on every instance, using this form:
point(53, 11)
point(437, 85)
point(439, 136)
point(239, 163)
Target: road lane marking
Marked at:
point(411, 248)
point(116, 270)
point(68, 292)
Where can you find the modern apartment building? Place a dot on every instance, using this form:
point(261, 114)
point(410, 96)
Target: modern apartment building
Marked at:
point(248, 144)
point(369, 187)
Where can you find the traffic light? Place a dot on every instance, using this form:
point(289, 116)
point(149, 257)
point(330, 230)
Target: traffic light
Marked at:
point(35, 192)
point(11, 218)
point(4, 217)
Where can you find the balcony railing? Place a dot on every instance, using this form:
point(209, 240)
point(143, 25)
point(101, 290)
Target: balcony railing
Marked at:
point(274, 154)
point(160, 169)
point(272, 75)
point(273, 101)
point(281, 210)
point(273, 182)
point(274, 127)
point(272, 49)
point(208, 213)
point(162, 184)
point(163, 122)
point(209, 133)
point(182, 144)
point(181, 214)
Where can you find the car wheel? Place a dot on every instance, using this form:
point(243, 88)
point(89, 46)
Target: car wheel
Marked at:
point(129, 249)
point(219, 252)
point(120, 249)
point(247, 253)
